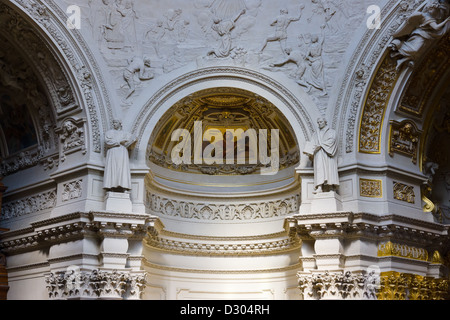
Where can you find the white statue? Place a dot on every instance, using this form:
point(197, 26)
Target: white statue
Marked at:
point(117, 176)
point(323, 150)
point(419, 30)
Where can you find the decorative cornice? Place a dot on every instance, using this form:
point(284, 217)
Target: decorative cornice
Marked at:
point(74, 226)
point(348, 225)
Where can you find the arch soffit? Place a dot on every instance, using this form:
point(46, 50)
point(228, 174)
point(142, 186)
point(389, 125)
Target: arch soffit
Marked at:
point(78, 89)
point(367, 58)
point(406, 94)
point(300, 111)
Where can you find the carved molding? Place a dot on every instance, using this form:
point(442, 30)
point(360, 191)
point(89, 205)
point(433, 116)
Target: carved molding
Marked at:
point(215, 211)
point(74, 226)
point(370, 226)
point(99, 284)
point(221, 247)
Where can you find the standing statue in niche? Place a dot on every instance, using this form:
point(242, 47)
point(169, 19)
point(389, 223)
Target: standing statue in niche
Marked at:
point(281, 24)
point(419, 30)
point(323, 151)
point(117, 176)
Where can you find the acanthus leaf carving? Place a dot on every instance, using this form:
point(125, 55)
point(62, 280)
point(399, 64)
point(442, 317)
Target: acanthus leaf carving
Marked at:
point(100, 284)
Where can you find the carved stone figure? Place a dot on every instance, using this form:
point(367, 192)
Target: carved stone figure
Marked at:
point(126, 9)
point(99, 11)
point(323, 149)
point(137, 65)
point(314, 75)
point(117, 176)
point(281, 23)
point(223, 29)
point(154, 35)
point(419, 30)
point(298, 58)
point(72, 136)
point(113, 29)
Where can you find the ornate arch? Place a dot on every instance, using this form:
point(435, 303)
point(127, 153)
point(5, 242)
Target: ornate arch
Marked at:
point(301, 114)
point(63, 61)
point(367, 59)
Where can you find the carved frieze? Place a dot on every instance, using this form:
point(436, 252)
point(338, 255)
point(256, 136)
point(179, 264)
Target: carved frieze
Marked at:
point(213, 211)
point(221, 248)
point(29, 205)
point(389, 249)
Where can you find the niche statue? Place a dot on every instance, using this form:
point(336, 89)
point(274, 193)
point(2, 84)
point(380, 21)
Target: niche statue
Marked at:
point(322, 151)
point(117, 176)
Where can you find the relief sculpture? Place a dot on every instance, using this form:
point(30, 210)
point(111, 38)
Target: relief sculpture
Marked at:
point(420, 29)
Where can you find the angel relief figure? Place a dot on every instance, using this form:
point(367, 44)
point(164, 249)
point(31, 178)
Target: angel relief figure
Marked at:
point(420, 29)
